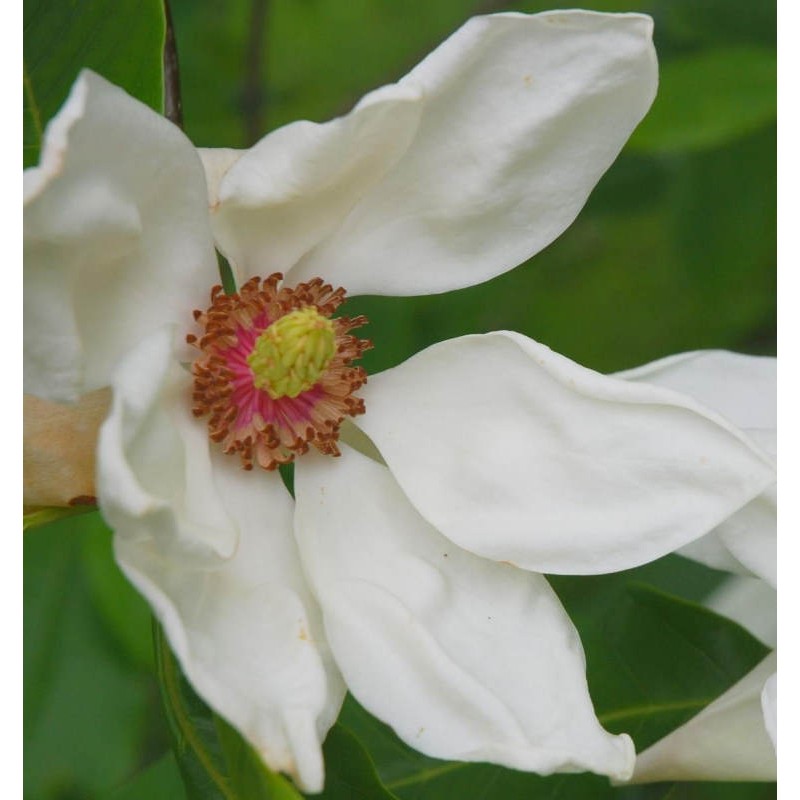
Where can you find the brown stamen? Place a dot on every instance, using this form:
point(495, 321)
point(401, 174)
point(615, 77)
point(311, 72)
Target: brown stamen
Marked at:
point(245, 419)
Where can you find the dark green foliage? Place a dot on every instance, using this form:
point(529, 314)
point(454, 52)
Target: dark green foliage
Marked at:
point(120, 40)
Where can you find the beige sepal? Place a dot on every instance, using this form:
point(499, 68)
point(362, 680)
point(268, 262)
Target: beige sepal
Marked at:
point(59, 444)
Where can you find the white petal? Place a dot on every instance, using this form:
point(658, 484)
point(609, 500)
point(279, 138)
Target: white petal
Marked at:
point(748, 538)
point(465, 658)
point(769, 705)
point(522, 115)
point(740, 387)
point(211, 548)
point(518, 454)
point(277, 200)
point(217, 161)
point(709, 550)
point(750, 602)
point(746, 543)
point(116, 238)
point(726, 741)
point(743, 389)
point(751, 536)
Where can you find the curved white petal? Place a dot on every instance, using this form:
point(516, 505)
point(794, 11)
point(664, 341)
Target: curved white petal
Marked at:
point(746, 543)
point(211, 548)
point(744, 389)
point(751, 536)
point(769, 705)
point(521, 116)
point(726, 741)
point(217, 161)
point(276, 201)
point(465, 658)
point(518, 454)
point(750, 602)
point(116, 238)
point(709, 550)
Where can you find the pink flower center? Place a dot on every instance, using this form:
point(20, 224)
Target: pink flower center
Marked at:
point(245, 419)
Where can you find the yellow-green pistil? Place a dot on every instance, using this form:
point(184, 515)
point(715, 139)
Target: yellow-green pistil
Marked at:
point(291, 355)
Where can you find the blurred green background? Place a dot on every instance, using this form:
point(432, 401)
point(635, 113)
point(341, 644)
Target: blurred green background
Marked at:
point(676, 248)
point(674, 251)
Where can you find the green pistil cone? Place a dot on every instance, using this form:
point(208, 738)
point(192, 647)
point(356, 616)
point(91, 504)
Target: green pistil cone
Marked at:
point(291, 355)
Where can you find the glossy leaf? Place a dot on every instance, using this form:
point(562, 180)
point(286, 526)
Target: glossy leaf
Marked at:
point(194, 735)
point(124, 611)
point(349, 771)
point(710, 99)
point(120, 39)
point(84, 705)
point(159, 781)
point(249, 777)
point(657, 660)
point(42, 516)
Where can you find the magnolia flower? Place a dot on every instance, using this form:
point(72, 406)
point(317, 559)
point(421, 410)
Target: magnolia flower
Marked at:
point(734, 738)
point(409, 569)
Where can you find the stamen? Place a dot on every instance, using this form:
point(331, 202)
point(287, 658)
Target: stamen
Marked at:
point(275, 373)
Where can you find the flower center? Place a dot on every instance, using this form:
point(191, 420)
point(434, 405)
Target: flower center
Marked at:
point(274, 374)
point(291, 354)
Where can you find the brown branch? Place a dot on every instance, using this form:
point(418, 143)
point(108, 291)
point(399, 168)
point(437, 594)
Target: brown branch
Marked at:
point(173, 106)
point(253, 95)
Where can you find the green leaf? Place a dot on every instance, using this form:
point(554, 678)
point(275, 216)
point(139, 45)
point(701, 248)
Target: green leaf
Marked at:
point(120, 39)
point(349, 771)
point(84, 709)
point(214, 760)
point(653, 661)
point(699, 791)
point(710, 99)
point(160, 781)
point(124, 611)
point(194, 735)
point(43, 516)
point(657, 660)
point(249, 777)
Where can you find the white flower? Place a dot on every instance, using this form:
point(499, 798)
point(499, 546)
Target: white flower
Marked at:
point(409, 568)
point(734, 738)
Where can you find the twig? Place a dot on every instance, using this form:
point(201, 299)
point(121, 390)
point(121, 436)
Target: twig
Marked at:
point(253, 95)
point(173, 106)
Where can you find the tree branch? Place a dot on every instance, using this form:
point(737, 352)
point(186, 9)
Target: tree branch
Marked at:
point(253, 95)
point(173, 106)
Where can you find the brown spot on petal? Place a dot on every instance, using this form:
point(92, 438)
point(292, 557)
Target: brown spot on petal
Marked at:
point(83, 500)
point(58, 449)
